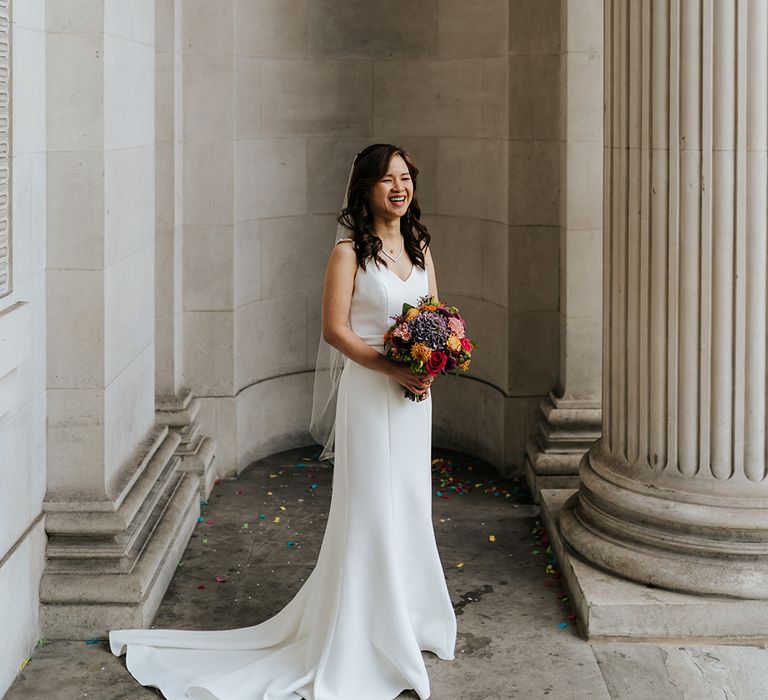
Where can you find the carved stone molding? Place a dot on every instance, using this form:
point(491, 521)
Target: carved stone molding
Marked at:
point(196, 452)
point(6, 267)
point(565, 433)
point(108, 563)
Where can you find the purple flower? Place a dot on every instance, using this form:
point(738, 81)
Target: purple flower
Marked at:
point(430, 328)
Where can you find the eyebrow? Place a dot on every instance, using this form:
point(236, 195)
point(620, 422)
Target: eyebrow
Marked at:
point(390, 174)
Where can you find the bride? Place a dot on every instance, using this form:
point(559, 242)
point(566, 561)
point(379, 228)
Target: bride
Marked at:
point(377, 596)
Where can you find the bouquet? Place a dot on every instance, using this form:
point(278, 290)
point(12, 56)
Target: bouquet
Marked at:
point(430, 338)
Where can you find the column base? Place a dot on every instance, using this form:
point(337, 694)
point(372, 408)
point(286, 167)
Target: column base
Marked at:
point(654, 528)
point(109, 568)
point(566, 431)
point(608, 607)
point(196, 451)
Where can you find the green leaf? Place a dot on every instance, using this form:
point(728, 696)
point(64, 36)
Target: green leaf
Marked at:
point(407, 306)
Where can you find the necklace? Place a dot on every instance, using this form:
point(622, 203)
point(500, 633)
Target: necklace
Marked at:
point(392, 250)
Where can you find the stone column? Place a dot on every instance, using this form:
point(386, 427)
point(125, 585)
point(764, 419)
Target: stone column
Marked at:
point(176, 405)
point(675, 493)
point(569, 419)
point(118, 512)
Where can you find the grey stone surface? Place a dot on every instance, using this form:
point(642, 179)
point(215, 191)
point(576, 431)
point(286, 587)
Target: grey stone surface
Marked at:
point(515, 639)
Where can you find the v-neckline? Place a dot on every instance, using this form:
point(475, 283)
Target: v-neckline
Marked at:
point(404, 281)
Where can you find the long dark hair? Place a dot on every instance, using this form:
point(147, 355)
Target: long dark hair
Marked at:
point(370, 166)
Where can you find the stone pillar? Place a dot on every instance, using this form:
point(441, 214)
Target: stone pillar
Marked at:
point(175, 404)
point(675, 493)
point(569, 419)
point(118, 512)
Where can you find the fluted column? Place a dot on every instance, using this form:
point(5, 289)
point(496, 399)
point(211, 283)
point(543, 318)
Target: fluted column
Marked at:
point(675, 493)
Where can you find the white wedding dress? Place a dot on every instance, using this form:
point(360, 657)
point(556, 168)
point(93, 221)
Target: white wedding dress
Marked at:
point(377, 595)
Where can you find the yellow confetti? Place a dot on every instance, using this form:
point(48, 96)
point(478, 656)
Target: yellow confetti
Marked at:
point(460, 565)
point(276, 519)
point(273, 476)
point(477, 486)
point(269, 493)
point(282, 507)
point(491, 538)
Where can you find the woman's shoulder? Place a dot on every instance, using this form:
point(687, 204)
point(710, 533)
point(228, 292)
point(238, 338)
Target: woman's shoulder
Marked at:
point(343, 256)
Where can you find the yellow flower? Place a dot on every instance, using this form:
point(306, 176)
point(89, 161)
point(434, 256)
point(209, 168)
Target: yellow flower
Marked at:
point(464, 366)
point(419, 351)
point(411, 314)
point(453, 343)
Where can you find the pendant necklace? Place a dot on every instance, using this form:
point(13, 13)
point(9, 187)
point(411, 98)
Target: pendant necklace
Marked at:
point(397, 257)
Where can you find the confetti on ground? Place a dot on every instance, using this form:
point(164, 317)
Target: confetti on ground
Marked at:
point(313, 486)
point(220, 579)
point(246, 526)
point(446, 477)
point(276, 519)
point(201, 586)
point(282, 507)
point(269, 493)
point(291, 543)
point(209, 521)
point(92, 641)
point(491, 538)
point(24, 663)
point(460, 565)
point(262, 516)
point(205, 540)
point(563, 625)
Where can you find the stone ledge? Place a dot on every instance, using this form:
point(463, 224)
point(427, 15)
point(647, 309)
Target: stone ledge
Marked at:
point(612, 608)
point(69, 610)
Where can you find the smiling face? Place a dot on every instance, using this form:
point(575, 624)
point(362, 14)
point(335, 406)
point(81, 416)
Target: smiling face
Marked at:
point(390, 197)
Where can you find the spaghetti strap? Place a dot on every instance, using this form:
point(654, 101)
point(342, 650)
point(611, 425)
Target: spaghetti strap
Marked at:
point(344, 239)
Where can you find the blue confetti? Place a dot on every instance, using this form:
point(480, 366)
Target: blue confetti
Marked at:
point(563, 625)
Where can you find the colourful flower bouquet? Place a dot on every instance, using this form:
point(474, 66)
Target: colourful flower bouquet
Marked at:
point(430, 338)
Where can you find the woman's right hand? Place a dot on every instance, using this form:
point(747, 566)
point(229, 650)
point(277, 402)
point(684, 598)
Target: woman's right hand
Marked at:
point(417, 383)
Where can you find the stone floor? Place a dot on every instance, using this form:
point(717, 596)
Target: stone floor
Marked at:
point(515, 638)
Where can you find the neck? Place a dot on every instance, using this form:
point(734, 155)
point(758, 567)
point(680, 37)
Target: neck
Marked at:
point(388, 231)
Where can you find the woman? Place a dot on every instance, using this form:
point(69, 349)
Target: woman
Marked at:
point(377, 595)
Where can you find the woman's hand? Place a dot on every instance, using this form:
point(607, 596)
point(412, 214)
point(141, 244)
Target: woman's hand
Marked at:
point(417, 383)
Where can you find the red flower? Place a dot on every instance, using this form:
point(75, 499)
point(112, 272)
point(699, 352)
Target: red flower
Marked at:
point(466, 345)
point(436, 362)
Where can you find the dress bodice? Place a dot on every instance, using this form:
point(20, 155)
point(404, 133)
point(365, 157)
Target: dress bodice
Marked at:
point(379, 294)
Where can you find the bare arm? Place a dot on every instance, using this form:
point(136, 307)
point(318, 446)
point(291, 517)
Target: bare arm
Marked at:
point(337, 299)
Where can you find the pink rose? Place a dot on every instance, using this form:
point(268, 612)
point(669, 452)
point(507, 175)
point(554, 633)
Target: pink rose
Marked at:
point(466, 345)
point(436, 362)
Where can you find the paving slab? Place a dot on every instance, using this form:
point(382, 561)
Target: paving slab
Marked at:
point(675, 672)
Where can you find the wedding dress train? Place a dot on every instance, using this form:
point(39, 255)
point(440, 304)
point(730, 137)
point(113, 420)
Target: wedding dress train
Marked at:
point(377, 595)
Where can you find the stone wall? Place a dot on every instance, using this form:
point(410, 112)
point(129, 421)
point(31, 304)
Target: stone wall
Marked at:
point(278, 97)
point(22, 352)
